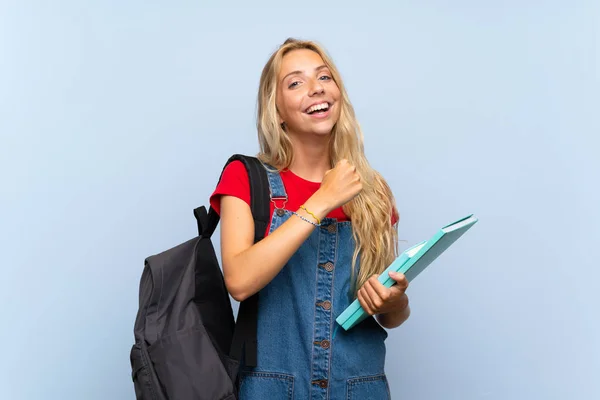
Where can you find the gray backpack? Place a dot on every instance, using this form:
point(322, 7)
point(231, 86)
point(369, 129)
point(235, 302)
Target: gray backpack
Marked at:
point(187, 344)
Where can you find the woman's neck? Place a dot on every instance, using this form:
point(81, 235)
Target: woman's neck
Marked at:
point(311, 159)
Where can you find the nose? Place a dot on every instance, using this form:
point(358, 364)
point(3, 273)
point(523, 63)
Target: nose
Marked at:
point(317, 88)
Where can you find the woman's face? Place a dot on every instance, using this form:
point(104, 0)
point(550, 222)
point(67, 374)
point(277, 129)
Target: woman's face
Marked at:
point(307, 97)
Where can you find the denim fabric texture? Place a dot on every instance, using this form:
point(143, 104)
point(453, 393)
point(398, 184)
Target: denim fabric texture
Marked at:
point(302, 353)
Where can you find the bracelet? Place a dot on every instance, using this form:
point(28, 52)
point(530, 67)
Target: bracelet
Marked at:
point(305, 219)
point(313, 215)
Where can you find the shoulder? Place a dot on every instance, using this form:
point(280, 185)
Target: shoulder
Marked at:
point(235, 170)
point(234, 182)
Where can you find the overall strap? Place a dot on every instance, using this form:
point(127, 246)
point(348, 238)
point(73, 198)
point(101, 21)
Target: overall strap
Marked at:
point(277, 189)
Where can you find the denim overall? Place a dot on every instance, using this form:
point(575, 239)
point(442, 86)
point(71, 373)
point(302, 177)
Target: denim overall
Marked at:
point(302, 353)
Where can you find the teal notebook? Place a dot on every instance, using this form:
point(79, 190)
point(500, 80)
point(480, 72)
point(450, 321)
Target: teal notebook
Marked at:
point(411, 263)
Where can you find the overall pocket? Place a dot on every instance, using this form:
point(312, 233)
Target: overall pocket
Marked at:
point(368, 387)
point(266, 385)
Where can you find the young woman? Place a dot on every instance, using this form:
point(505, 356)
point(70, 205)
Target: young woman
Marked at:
point(332, 232)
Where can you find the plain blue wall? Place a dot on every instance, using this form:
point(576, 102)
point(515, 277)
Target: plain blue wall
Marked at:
point(116, 118)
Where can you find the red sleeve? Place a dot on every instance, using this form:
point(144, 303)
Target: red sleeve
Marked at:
point(234, 182)
point(395, 216)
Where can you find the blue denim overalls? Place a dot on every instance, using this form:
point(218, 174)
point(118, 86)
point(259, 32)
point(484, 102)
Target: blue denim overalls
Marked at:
point(302, 354)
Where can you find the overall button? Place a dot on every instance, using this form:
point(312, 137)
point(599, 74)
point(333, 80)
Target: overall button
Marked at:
point(325, 304)
point(331, 228)
point(321, 383)
point(328, 266)
point(324, 344)
point(280, 212)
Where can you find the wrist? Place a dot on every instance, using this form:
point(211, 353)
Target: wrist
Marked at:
point(395, 318)
point(318, 205)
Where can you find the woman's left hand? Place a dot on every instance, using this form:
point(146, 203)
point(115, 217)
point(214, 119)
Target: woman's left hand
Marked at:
point(377, 299)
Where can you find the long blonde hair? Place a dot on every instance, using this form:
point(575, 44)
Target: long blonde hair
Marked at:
point(370, 211)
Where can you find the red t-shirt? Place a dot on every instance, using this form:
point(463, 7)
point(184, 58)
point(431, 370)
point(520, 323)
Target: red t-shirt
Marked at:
point(235, 182)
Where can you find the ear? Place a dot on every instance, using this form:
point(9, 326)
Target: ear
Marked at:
point(281, 121)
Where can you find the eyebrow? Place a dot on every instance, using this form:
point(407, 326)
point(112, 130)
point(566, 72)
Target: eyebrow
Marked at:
point(320, 67)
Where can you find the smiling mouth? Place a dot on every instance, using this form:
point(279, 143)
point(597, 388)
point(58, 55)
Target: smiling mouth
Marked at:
point(318, 108)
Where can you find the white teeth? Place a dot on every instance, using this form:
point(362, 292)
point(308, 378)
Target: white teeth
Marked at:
point(317, 107)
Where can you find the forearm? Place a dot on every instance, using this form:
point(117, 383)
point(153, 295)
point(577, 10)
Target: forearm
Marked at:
point(249, 271)
point(394, 319)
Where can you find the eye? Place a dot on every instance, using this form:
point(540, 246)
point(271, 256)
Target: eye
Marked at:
point(293, 84)
point(325, 77)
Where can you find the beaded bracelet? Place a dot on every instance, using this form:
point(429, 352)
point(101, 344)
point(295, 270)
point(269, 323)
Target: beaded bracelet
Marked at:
point(305, 219)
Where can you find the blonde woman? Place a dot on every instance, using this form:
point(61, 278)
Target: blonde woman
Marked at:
point(332, 232)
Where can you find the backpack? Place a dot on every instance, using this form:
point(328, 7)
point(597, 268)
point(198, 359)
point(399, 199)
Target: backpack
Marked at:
point(187, 344)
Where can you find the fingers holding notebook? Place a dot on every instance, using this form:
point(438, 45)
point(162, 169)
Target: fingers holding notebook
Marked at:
point(378, 299)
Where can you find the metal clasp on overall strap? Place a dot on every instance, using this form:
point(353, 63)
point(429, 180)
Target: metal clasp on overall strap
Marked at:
point(280, 211)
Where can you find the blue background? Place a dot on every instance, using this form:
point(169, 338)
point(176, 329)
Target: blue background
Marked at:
point(116, 118)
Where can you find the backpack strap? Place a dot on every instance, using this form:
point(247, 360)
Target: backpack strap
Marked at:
point(244, 336)
point(259, 198)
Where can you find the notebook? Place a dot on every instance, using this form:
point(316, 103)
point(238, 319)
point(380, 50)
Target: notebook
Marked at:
point(411, 263)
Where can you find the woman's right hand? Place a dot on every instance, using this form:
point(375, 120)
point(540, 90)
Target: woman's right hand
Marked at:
point(249, 267)
point(340, 185)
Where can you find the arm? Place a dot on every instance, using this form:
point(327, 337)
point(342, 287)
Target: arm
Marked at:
point(390, 305)
point(394, 319)
point(248, 267)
